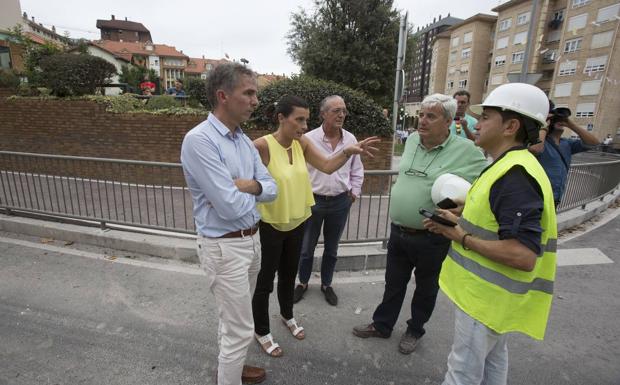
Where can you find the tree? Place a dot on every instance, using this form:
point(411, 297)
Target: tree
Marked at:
point(134, 75)
point(353, 42)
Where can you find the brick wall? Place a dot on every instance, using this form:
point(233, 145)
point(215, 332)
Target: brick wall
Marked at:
point(84, 128)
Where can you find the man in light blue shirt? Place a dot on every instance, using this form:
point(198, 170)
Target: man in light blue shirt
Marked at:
point(226, 178)
point(463, 124)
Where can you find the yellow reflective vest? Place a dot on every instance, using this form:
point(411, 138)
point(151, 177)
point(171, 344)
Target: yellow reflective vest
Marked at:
point(503, 298)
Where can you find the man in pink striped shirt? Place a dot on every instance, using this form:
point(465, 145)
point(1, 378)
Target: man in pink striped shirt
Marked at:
point(333, 195)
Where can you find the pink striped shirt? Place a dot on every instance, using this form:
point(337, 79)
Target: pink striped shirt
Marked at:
point(348, 178)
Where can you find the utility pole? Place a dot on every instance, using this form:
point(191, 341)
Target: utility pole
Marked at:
point(399, 82)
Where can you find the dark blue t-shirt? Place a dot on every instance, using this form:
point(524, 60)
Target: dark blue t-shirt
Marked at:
point(556, 166)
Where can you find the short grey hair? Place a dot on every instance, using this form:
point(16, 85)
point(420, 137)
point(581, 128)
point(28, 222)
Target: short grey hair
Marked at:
point(326, 100)
point(447, 103)
point(225, 77)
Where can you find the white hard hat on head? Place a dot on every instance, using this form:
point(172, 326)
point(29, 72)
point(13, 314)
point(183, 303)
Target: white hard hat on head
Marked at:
point(449, 186)
point(522, 98)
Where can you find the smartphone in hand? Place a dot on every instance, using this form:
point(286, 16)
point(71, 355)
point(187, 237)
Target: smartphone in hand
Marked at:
point(447, 204)
point(434, 217)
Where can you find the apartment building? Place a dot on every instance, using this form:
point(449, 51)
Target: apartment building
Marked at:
point(468, 56)
point(587, 72)
point(419, 78)
point(439, 63)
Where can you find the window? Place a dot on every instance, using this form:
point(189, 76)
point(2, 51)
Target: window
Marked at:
point(580, 3)
point(505, 24)
point(585, 110)
point(464, 69)
point(450, 84)
point(567, 68)
point(171, 75)
point(496, 79)
point(595, 64)
point(558, 15)
point(452, 56)
point(591, 87)
point(5, 57)
point(523, 18)
point(463, 83)
point(554, 35)
point(517, 57)
point(502, 43)
point(455, 41)
point(577, 22)
point(173, 62)
point(550, 56)
point(520, 38)
point(607, 13)
point(563, 89)
point(602, 39)
point(466, 53)
point(467, 37)
point(500, 60)
point(572, 45)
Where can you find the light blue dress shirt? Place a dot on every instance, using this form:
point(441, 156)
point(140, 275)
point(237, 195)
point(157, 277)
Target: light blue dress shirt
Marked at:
point(212, 158)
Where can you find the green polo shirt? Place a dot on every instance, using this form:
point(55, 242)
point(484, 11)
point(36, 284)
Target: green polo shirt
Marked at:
point(419, 167)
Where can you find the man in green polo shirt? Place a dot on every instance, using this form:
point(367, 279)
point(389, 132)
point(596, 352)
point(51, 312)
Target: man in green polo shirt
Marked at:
point(429, 153)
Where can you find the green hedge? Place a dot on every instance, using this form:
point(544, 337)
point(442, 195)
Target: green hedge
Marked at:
point(74, 75)
point(196, 89)
point(9, 79)
point(365, 117)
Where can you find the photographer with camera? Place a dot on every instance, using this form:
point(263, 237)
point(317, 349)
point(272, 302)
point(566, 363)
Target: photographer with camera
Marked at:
point(554, 152)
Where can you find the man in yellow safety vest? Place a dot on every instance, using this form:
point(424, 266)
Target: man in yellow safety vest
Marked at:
point(500, 267)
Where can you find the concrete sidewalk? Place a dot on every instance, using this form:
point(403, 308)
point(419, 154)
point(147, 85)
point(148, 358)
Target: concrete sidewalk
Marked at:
point(356, 256)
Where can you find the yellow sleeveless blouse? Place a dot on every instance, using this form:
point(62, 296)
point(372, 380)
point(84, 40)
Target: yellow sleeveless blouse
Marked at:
point(292, 205)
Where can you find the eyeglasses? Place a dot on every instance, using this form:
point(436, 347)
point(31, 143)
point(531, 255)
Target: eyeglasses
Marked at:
point(420, 173)
point(338, 111)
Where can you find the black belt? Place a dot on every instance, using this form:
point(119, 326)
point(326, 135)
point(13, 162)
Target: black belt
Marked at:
point(409, 230)
point(330, 197)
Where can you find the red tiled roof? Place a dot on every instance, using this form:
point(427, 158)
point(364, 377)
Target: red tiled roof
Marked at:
point(197, 66)
point(40, 39)
point(122, 24)
point(129, 48)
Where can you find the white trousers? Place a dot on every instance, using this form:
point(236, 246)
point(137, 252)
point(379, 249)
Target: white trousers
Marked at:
point(232, 265)
point(479, 355)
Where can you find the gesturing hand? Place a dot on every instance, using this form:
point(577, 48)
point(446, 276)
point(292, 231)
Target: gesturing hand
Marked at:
point(364, 147)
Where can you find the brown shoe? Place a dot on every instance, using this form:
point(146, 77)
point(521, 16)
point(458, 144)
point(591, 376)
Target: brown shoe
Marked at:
point(365, 331)
point(250, 375)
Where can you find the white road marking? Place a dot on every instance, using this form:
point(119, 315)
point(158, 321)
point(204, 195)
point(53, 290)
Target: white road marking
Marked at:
point(576, 257)
point(566, 257)
point(187, 269)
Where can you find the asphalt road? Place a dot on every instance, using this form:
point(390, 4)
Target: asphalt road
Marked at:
point(100, 318)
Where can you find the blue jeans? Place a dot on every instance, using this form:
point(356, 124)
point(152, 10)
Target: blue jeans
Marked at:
point(331, 213)
point(479, 355)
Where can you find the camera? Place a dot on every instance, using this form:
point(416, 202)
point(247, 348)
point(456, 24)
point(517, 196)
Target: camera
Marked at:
point(558, 114)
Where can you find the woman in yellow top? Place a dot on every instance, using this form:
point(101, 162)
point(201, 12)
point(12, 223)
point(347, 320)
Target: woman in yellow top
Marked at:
point(285, 153)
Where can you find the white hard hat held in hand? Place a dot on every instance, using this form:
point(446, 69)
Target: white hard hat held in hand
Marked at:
point(451, 187)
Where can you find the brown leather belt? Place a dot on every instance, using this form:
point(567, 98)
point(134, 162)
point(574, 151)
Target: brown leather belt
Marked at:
point(241, 233)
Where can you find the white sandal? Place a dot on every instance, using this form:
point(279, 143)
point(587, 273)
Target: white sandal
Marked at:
point(268, 338)
point(294, 328)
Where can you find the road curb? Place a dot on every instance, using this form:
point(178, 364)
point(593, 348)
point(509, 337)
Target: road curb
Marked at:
point(180, 247)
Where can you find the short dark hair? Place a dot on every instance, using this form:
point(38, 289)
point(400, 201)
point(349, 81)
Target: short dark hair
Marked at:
point(524, 123)
point(225, 76)
point(462, 93)
point(179, 80)
point(285, 106)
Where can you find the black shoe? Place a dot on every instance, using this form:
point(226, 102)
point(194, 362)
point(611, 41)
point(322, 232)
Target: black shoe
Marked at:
point(367, 330)
point(298, 294)
point(330, 296)
point(408, 343)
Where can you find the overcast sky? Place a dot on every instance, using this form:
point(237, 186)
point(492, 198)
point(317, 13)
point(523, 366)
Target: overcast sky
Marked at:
point(251, 29)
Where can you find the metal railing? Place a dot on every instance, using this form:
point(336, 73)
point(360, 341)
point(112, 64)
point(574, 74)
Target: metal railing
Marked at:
point(154, 195)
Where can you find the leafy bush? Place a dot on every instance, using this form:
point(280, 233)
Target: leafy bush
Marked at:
point(196, 89)
point(8, 79)
point(161, 102)
point(365, 117)
point(74, 75)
